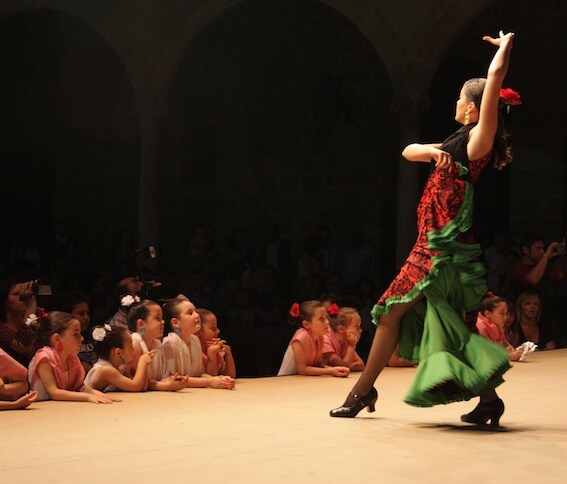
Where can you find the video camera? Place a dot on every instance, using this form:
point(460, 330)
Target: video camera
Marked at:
point(36, 289)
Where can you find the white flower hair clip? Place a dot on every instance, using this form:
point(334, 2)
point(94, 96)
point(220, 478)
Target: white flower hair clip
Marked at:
point(99, 333)
point(31, 319)
point(128, 300)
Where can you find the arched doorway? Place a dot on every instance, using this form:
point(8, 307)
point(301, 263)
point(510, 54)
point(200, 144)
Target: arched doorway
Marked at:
point(69, 141)
point(281, 112)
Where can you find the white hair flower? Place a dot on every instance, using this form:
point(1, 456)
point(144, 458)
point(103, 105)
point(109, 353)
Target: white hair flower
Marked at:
point(99, 334)
point(128, 300)
point(31, 319)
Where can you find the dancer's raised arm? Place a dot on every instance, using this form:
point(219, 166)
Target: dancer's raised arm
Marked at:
point(482, 135)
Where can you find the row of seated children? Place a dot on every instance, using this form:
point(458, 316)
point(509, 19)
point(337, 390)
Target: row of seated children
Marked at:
point(324, 342)
point(127, 362)
point(326, 336)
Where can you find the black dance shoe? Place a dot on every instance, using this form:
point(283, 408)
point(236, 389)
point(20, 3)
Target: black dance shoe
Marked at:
point(360, 402)
point(484, 412)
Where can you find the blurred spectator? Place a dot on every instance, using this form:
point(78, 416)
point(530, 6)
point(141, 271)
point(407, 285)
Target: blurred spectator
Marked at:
point(499, 260)
point(276, 252)
point(358, 259)
point(128, 286)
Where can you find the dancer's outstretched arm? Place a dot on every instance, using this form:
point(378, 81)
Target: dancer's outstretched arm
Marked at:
point(482, 135)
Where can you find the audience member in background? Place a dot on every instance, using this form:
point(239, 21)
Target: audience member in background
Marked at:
point(339, 344)
point(14, 384)
point(124, 250)
point(536, 272)
point(266, 303)
point(219, 358)
point(498, 258)
point(490, 323)
point(308, 265)
point(55, 371)
point(327, 254)
point(23, 256)
point(529, 323)
point(102, 302)
point(199, 288)
point(77, 305)
point(239, 255)
point(304, 354)
point(17, 302)
point(182, 347)
point(201, 244)
point(276, 252)
point(358, 259)
point(128, 286)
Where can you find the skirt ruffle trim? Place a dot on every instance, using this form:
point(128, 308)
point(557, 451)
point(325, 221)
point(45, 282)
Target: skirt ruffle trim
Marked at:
point(444, 378)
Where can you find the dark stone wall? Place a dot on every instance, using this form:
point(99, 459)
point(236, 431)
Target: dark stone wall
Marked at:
point(69, 146)
point(280, 112)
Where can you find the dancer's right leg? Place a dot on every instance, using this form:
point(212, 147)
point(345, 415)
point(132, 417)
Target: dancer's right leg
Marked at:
point(383, 345)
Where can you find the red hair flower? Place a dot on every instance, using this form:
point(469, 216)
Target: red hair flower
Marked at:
point(41, 313)
point(334, 309)
point(294, 311)
point(510, 98)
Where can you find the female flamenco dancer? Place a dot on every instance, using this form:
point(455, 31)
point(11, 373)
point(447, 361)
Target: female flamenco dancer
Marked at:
point(425, 306)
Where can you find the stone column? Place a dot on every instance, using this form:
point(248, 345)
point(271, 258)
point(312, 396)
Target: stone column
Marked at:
point(410, 111)
point(150, 118)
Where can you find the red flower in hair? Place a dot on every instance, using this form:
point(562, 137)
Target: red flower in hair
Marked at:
point(41, 313)
point(510, 97)
point(294, 311)
point(334, 309)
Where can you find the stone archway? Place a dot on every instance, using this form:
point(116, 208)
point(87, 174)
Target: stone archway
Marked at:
point(282, 142)
point(69, 127)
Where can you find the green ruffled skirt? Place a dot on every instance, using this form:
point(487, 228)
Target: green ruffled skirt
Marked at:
point(454, 364)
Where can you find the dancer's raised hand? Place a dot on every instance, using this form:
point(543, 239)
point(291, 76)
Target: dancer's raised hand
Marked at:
point(502, 37)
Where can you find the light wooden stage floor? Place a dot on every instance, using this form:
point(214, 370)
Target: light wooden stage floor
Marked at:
point(278, 430)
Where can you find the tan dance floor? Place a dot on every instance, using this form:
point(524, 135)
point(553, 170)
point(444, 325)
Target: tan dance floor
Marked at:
point(278, 430)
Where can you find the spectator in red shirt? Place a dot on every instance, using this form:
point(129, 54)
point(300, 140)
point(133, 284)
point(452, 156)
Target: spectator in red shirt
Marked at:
point(533, 268)
point(536, 273)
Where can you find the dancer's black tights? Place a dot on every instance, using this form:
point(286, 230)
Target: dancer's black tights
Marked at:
point(383, 345)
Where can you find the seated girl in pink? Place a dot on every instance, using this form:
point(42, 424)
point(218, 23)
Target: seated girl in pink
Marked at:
point(182, 347)
point(14, 384)
point(492, 317)
point(304, 354)
point(55, 371)
point(339, 344)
